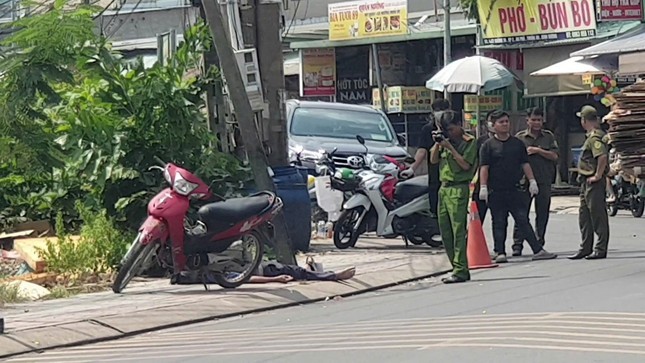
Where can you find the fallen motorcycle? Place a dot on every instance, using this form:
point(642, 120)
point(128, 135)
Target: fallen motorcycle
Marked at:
point(226, 240)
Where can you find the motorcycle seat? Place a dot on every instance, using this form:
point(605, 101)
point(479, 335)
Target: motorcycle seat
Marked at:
point(233, 210)
point(412, 188)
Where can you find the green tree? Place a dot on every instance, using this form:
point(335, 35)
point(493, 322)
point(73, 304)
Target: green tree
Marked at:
point(94, 123)
point(470, 8)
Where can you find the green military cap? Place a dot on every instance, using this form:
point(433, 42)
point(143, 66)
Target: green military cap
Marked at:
point(588, 113)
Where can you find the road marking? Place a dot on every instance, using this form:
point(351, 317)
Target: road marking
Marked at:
point(620, 333)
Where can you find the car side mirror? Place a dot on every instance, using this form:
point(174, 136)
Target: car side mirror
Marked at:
point(402, 138)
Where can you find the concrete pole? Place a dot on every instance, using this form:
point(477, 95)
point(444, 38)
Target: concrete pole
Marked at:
point(246, 120)
point(447, 43)
point(268, 38)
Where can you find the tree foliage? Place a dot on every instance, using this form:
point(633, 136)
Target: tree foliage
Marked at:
point(81, 123)
point(470, 8)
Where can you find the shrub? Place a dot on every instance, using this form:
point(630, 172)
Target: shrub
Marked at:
point(98, 251)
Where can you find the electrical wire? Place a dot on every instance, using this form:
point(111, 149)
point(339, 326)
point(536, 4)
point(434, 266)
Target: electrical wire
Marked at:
point(293, 18)
point(114, 16)
point(29, 13)
point(126, 18)
point(103, 10)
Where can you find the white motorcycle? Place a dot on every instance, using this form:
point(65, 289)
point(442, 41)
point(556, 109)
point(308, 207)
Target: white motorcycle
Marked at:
point(389, 207)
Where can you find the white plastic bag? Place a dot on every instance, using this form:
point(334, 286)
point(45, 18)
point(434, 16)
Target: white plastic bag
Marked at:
point(330, 200)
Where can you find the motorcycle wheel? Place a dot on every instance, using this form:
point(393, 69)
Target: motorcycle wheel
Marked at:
point(612, 209)
point(637, 207)
point(434, 241)
point(416, 240)
point(345, 225)
point(131, 264)
point(258, 240)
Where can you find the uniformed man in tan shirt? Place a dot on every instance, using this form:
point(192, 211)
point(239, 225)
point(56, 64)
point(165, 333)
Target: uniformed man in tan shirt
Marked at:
point(543, 155)
point(592, 170)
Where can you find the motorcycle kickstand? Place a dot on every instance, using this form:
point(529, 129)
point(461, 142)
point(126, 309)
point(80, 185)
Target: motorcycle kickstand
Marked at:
point(405, 239)
point(205, 280)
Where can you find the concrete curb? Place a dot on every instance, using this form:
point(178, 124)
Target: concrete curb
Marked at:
point(111, 333)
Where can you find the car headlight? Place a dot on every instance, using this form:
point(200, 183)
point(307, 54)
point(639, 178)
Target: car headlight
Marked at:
point(312, 155)
point(182, 186)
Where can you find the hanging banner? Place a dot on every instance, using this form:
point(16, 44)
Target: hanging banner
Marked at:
point(512, 21)
point(405, 99)
point(367, 19)
point(613, 10)
point(318, 73)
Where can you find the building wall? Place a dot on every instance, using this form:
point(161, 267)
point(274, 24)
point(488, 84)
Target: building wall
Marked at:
point(147, 24)
point(307, 9)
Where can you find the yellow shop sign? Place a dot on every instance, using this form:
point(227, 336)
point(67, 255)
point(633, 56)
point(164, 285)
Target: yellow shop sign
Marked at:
point(366, 19)
point(405, 99)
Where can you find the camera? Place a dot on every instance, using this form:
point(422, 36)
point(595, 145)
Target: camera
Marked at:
point(439, 136)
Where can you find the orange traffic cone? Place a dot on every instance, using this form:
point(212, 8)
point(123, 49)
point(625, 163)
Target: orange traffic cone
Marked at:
point(478, 255)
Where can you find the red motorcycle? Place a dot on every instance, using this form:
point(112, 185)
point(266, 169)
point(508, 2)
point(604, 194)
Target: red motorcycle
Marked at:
point(226, 241)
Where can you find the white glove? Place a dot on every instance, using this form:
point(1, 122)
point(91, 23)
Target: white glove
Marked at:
point(483, 193)
point(533, 187)
point(407, 173)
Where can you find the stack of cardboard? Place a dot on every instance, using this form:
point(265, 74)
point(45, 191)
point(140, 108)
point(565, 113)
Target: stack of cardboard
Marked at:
point(627, 129)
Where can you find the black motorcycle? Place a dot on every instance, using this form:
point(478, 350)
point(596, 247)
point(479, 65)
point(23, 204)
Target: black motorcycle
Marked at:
point(627, 198)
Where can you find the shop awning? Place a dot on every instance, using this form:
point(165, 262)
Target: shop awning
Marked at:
point(632, 41)
point(431, 31)
point(537, 59)
point(580, 66)
point(631, 63)
point(291, 64)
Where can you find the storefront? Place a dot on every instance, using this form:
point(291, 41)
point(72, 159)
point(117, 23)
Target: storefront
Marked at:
point(539, 42)
point(370, 39)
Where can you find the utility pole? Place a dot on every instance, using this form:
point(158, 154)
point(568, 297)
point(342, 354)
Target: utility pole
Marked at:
point(244, 112)
point(215, 99)
point(268, 43)
point(447, 42)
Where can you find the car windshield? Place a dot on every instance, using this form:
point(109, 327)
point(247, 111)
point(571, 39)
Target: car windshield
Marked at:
point(335, 123)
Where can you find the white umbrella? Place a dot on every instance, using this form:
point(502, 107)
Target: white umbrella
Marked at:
point(471, 75)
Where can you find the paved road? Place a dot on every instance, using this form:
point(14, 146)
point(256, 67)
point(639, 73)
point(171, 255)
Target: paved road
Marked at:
point(551, 311)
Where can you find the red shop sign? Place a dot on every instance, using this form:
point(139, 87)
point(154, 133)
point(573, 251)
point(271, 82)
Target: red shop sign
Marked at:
point(621, 10)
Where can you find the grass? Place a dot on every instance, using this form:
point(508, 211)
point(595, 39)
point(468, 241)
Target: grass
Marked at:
point(9, 294)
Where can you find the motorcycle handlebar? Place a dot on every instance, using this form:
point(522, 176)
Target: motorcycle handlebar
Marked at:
point(159, 161)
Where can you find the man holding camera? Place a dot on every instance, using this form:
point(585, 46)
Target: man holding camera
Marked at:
point(456, 153)
point(425, 144)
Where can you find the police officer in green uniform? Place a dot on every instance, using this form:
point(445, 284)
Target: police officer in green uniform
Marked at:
point(542, 149)
point(456, 153)
point(592, 168)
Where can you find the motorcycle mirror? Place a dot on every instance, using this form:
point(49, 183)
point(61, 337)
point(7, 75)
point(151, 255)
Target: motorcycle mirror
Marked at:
point(333, 151)
point(360, 139)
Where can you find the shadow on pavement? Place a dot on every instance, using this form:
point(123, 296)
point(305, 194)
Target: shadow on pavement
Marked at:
point(511, 278)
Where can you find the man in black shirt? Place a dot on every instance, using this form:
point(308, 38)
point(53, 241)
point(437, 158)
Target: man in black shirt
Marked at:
point(504, 160)
point(423, 154)
point(482, 207)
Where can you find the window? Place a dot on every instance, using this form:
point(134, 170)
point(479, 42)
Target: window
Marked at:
point(339, 123)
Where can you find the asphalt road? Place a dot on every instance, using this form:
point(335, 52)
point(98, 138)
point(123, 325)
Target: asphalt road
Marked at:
point(551, 311)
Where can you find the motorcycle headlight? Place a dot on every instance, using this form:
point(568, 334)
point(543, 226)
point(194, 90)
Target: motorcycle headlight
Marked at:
point(182, 186)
